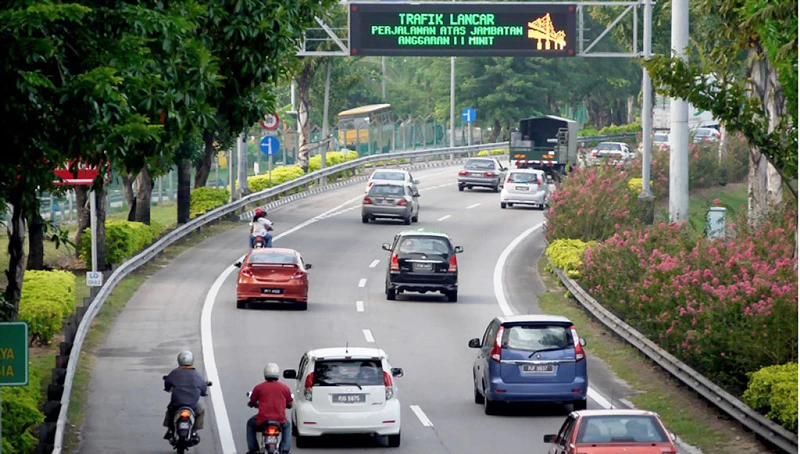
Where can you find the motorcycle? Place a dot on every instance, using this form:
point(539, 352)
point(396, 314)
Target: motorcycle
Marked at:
point(183, 426)
point(259, 243)
point(270, 436)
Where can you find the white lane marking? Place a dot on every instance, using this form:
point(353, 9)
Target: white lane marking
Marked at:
point(209, 360)
point(374, 263)
point(360, 306)
point(473, 206)
point(444, 217)
point(368, 336)
point(499, 294)
point(362, 282)
point(421, 416)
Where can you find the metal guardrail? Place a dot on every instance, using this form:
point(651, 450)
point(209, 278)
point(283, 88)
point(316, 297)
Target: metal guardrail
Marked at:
point(748, 417)
point(608, 137)
point(175, 235)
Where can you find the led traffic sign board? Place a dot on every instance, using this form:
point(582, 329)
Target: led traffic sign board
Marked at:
point(462, 29)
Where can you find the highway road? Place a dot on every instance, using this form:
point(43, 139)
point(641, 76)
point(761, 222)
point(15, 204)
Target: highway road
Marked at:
point(425, 335)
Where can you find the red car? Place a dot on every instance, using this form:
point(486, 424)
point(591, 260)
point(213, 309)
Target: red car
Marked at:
point(612, 432)
point(272, 275)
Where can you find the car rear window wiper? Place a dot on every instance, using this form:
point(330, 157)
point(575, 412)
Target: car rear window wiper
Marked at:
point(349, 384)
point(547, 350)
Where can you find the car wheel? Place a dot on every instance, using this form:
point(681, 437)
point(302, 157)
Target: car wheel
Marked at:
point(452, 296)
point(461, 188)
point(241, 304)
point(415, 218)
point(407, 220)
point(302, 306)
point(469, 187)
point(510, 205)
point(302, 442)
point(478, 395)
point(496, 188)
point(579, 405)
point(503, 205)
point(394, 441)
point(489, 407)
point(365, 219)
point(391, 294)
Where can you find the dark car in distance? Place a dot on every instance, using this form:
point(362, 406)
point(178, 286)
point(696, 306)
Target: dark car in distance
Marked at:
point(422, 261)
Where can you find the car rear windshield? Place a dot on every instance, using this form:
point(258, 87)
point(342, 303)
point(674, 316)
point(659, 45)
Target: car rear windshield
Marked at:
point(621, 429)
point(395, 176)
point(608, 146)
point(423, 245)
point(272, 257)
point(661, 138)
point(537, 337)
point(479, 164)
point(523, 177)
point(387, 189)
point(340, 372)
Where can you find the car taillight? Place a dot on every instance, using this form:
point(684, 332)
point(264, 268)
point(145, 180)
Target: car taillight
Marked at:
point(247, 272)
point(463, 173)
point(367, 201)
point(394, 265)
point(369, 185)
point(579, 353)
point(490, 174)
point(272, 430)
point(387, 382)
point(307, 390)
point(298, 274)
point(453, 268)
point(594, 153)
point(508, 179)
point(402, 203)
point(494, 353)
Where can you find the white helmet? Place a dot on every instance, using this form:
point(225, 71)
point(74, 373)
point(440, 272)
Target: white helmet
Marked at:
point(185, 358)
point(271, 371)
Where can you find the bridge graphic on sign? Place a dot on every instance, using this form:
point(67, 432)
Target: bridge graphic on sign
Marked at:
point(542, 30)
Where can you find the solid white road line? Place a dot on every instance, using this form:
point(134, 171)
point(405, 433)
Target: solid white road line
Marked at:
point(368, 336)
point(421, 416)
point(473, 206)
point(443, 218)
point(362, 282)
point(499, 294)
point(374, 263)
point(360, 306)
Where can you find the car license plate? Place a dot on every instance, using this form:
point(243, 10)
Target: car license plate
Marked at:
point(476, 174)
point(537, 368)
point(272, 291)
point(521, 188)
point(349, 398)
point(272, 439)
point(423, 267)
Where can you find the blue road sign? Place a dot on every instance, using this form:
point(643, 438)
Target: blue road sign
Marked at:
point(468, 115)
point(270, 145)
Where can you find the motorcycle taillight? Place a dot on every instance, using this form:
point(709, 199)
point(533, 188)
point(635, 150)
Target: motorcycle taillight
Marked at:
point(272, 430)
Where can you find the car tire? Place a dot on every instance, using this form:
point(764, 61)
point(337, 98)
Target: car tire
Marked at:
point(365, 219)
point(461, 188)
point(503, 205)
point(302, 306)
point(394, 440)
point(241, 304)
point(407, 220)
point(510, 205)
point(478, 395)
point(302, 442)
point(489, 407)
point(391, 294)
point(415, 218)
point(579, 405)
point(452, 296)
point(496, 188)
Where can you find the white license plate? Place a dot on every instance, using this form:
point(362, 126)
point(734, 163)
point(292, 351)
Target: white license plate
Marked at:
point(349, 398)
point(423, 267)
point(272, 439)
point(538, 368)
point(521, 188)
point(183, 425)
point(476, 174)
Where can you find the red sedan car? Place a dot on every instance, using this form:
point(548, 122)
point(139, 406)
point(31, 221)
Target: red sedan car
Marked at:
point(272, 275)
point(612, 432)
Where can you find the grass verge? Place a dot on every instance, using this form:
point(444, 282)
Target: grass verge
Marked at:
point(682, 412)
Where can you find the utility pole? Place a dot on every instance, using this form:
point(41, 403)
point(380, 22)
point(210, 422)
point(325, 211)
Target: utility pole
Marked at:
point(325, 125)
point(242, 162)
point(679, 123)
point(647, 105)
point(452, 102)
point(383, 79)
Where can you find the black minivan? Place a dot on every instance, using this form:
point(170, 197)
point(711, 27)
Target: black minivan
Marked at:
point(422, 261)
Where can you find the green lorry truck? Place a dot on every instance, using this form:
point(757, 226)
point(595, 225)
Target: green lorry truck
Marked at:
point(546, 143)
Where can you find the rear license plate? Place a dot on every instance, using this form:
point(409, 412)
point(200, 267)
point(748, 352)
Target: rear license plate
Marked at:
point(474, 174)
point(521, 188)
point(272, 439)
point(537, 368)
point(183, 425)
point(423, 267)
point(349, 398)
point(272, 291)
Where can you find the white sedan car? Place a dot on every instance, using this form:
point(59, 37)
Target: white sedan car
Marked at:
point(392, 176)
point(525, 187)
point(345, 390)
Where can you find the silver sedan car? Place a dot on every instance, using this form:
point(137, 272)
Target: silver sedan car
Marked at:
point(482, 172)
point(391, 200)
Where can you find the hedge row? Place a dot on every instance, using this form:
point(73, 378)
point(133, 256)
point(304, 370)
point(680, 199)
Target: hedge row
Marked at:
point(280, 175)
point(47, 298)
point(123, 240)
point(206, 199)
point(494, 152)
point(609, 130)
point(772, 391)
point(567, 255)
point(21, 414)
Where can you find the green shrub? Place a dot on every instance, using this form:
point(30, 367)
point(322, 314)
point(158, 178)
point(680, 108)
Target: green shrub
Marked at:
point(493, 152)
point(123, 240)
point(568, 255)
point(47, 297)
point(280, 175)
point(772, 391)
point(21, 415)
point(206, 199)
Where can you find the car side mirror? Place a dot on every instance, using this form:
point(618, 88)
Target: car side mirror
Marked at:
point(397, 371)
point(209, 383)
point(416, 194)
point(238, 264)
point(290, 374)
point(550, 438)
point(458, 249)
point(386, 247)
point(474, 343)
point(249, 393)
point(309, 266)
point(416, 181)
point(673, 437)
point(164, 377)
point(582, 342)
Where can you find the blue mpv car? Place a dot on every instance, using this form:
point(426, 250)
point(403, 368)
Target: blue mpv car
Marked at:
point(530, 358)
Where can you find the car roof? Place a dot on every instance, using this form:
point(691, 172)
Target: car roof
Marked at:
point(526, 171)
point(424, 232)
point(480, 158)
point(534, 318)
point(616, 412)
point(279, 250)
point(613, 143)
point(390, 183)
point(390, 170)
point(344, 352)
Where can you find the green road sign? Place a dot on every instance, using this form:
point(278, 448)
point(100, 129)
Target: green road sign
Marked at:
point(13, 354)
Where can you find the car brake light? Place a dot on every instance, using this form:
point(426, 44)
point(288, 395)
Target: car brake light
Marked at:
point(298, 274)
point(367, 201)
point(402, 203)
point(272, 430)
point(594, 153)
point(490, 174)
point(508, 179)
point(453, 268)
point(579, 353)
point(463, 173)
point(394, 265)
point(494, 353)
point(309, 383)
point(387, 382)
point(247, 272)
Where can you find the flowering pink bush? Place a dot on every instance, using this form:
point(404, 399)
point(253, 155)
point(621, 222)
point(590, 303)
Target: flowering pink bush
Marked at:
point(726, 307)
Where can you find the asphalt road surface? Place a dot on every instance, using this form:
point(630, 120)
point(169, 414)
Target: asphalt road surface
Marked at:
point(425, 335)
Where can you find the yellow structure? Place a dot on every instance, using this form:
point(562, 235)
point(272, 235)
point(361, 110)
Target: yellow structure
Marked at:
point(543, 31)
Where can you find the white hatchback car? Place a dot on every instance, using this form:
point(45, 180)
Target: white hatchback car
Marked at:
point(345, 390)
point(392, 176)
point(525, 187)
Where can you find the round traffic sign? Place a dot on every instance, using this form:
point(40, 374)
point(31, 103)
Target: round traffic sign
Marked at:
point(270, 122)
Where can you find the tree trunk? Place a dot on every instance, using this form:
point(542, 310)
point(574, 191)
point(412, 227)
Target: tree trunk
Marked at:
point(184, 190)
point(631, 109)
point(130, 197)
point(16, 258)
point(36, 241)
point(82, 206)
point(203, 170)
point(303, 105)
point(143, 196)
point(100, 208)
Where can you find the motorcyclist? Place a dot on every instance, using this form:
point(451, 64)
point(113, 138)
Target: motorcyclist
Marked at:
point(260, 227)
point(272, 398)
point(187, 386)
